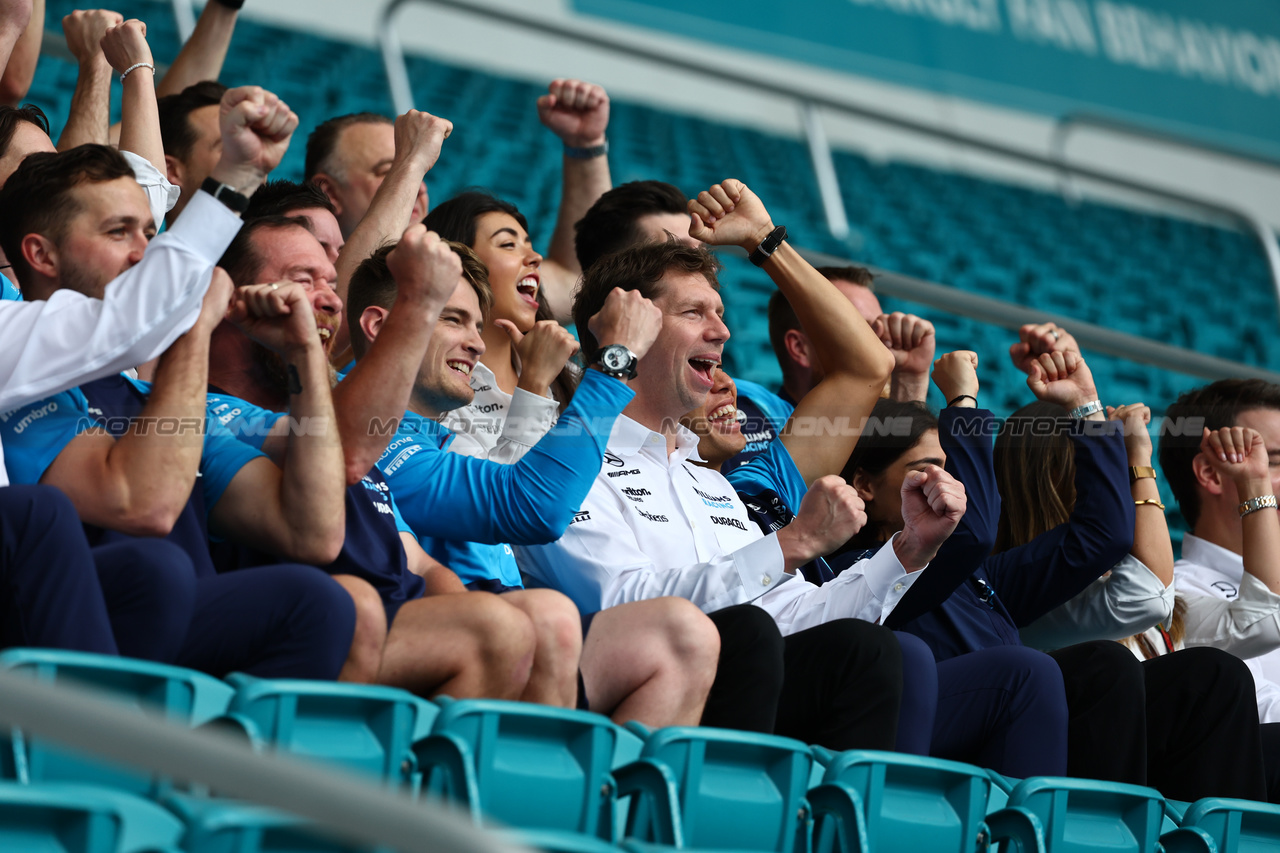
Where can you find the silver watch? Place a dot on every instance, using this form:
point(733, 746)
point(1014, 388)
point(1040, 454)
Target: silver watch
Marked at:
point(617, 361)
point(1082, 412)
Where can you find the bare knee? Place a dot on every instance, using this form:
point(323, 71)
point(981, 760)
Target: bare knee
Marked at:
point(503, 635)
point(557, 625)
point(365, 658)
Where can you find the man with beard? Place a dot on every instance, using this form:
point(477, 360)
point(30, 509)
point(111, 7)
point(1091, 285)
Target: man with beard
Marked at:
point(407, 634)
point(129, 455)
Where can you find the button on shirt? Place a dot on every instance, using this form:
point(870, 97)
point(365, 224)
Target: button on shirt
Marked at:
point(1249, 628)
point(655, 525)
point(498, 426)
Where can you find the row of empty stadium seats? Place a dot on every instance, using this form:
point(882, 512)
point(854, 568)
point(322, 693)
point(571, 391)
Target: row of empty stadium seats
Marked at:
point(566, 781)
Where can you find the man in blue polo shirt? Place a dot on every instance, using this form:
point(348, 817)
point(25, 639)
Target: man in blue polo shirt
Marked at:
point(466, 647)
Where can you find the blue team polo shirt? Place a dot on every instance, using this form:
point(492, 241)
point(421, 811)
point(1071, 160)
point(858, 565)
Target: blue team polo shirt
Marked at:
point(9, 290)
point(407, 461)
point(464, 510)
point(371, 549)
point(766, 413)
point(771, 486)
point(34, 436)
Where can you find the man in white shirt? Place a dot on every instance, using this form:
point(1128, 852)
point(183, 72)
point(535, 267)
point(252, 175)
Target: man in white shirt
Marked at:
point(656, 524)
point(62, 593)
point(1223, 557)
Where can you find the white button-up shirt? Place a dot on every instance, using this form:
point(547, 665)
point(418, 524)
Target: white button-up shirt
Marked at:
point(498, 426)
point(656, 525)
point(69, 339)
point(1233, 611)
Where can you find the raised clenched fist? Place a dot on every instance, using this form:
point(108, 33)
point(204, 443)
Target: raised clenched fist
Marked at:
point(629, 319)
point(729, 214)
point(956, 374)
point(575, 111)
point(830, 514)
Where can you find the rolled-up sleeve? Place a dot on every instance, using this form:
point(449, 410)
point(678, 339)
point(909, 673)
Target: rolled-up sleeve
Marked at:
point(1247, 626)
point(1125, 602)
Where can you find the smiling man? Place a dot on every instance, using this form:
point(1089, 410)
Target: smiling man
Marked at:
point(656, 524)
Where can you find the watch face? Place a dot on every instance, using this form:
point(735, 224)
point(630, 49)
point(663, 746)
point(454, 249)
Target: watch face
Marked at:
point(615, 358)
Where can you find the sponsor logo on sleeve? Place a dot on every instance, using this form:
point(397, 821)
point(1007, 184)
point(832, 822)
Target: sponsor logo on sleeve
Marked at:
point(33, 416)
point(401, 458)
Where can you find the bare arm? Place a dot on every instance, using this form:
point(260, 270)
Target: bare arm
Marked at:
point(1151, 544)
point(855, 362)
point(394, 206)
point(202, 56)
point(297, 512)
point(21, 33)
point(1237, 454)
point(439, 578)
point(91, 102)
point(125, 47)
point(426, 272)
point(140, 483)
point(578, 113)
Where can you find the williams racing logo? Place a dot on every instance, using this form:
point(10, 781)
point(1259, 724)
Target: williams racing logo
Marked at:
point(715, 501)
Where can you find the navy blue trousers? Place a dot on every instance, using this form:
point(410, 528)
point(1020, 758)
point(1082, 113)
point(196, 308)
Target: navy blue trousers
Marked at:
point(130, 598)
point(1005, 708)
point(279, 621)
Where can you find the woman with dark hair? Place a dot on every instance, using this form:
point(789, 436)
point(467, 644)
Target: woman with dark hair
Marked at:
point(525, 374)
point(1080, 470)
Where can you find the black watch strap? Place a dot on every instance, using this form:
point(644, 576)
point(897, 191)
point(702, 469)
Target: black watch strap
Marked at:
point(235, 201)
point(768, 246)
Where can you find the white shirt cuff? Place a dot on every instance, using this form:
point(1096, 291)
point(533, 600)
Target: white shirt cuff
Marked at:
point(529, 418)
point(887, 579)
point(760, 566)
point(207, 226)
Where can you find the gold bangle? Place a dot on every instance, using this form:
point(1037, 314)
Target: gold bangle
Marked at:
point(1149, 502)
point(1141, 472)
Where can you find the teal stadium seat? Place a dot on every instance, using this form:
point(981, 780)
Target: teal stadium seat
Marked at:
point(365, 728)
point(893, 803)
point(714, 789)
point(67, 818)
point(180, 696)
point(1230, 826)
point(1059, 815)
point(545, 772)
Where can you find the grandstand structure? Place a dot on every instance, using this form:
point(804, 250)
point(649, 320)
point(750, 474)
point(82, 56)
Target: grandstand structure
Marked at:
point(571, 781)
point(1193, 285)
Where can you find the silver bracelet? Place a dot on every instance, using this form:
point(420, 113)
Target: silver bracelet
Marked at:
point(134, 67)
point(1255, 504)
point(1082, 412)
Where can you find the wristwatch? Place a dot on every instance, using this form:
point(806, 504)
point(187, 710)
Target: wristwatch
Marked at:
point(768, 246)
point(1082, 412)
point(617, 361)
point(235, 201)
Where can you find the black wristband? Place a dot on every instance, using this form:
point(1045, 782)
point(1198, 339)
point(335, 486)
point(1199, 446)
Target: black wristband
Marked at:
point(235, 201)
point(768, 246)
point(231, 4)
point(963, 397)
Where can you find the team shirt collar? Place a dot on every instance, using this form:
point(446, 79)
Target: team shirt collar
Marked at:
point(629, 437)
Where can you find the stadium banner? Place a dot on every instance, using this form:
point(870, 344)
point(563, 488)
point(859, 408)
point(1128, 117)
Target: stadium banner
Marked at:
point(1206, 69)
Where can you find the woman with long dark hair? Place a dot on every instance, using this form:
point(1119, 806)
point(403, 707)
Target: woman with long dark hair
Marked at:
point(525, 375)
